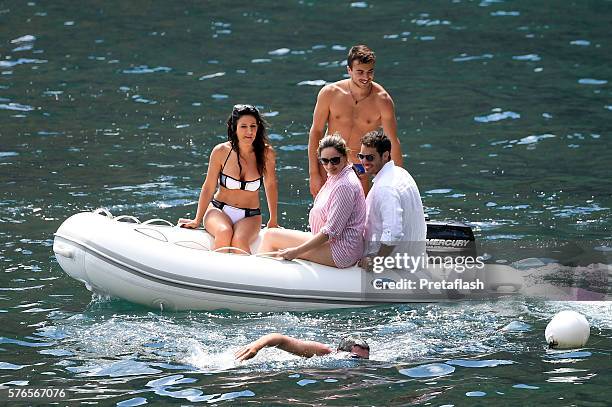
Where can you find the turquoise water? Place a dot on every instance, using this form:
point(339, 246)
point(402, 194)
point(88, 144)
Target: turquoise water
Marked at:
point(504, 112)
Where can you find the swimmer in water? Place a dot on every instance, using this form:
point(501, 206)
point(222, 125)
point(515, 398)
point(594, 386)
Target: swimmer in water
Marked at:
point(352, 346)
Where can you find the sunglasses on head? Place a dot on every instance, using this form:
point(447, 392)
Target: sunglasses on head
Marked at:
point(244, 108)
point(332, 161)
point(367, 157)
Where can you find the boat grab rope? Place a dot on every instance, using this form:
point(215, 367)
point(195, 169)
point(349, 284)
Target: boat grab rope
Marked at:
point(269, 255)
point(232, 248)
point(133, 219)
point(104, 212)
point(164, 221)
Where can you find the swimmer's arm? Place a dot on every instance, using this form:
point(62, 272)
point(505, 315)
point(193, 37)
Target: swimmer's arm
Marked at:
point(286, 343)
point(271, 185)
point(389, 124)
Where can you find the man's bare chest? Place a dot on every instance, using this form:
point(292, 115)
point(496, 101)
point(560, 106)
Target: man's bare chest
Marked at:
point(344, 109)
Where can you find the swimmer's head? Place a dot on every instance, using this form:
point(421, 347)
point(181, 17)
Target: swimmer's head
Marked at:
point(356, 347)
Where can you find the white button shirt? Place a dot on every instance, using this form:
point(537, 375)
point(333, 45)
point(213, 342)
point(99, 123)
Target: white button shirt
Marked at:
point(394, 211)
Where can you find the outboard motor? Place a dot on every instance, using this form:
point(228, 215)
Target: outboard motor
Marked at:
point(450, 238)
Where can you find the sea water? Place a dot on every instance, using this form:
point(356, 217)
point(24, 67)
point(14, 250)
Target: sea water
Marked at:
point(504, 112)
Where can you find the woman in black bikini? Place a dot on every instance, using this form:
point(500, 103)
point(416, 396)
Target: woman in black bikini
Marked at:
point(239, 166)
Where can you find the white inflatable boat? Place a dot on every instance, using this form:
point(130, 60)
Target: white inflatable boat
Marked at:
point(160, 265)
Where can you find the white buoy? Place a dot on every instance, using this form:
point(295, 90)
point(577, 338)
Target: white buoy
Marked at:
point(567, 329)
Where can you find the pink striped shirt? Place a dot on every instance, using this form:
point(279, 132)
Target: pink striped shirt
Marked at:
point(339, 211)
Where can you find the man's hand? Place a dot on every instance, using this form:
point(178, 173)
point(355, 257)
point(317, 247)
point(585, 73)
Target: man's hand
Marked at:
point(248, 352)
point(366, 263)
point(316, 183)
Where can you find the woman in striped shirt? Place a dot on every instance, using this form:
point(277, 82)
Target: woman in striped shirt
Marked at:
point(337, 218)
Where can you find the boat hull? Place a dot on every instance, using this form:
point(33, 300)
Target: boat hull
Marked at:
point(172, 268)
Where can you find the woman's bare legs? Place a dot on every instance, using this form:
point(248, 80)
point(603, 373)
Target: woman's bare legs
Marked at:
point(219, 225)
point(276, 239)
point(245, 232)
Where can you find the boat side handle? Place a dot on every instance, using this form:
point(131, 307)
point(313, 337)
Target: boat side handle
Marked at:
point(63, 251)
point(103, 211)
point(153, 221)
point(129, 218)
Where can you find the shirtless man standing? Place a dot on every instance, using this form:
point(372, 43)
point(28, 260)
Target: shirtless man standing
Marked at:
point(352, 107)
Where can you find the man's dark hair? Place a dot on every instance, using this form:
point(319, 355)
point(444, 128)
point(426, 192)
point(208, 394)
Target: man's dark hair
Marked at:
point(360, 53)
point(377, 139)
point(346, 344)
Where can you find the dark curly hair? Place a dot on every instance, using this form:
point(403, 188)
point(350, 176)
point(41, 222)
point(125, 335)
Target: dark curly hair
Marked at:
point(261, 142)
point(360, 53)
point(377, 139)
